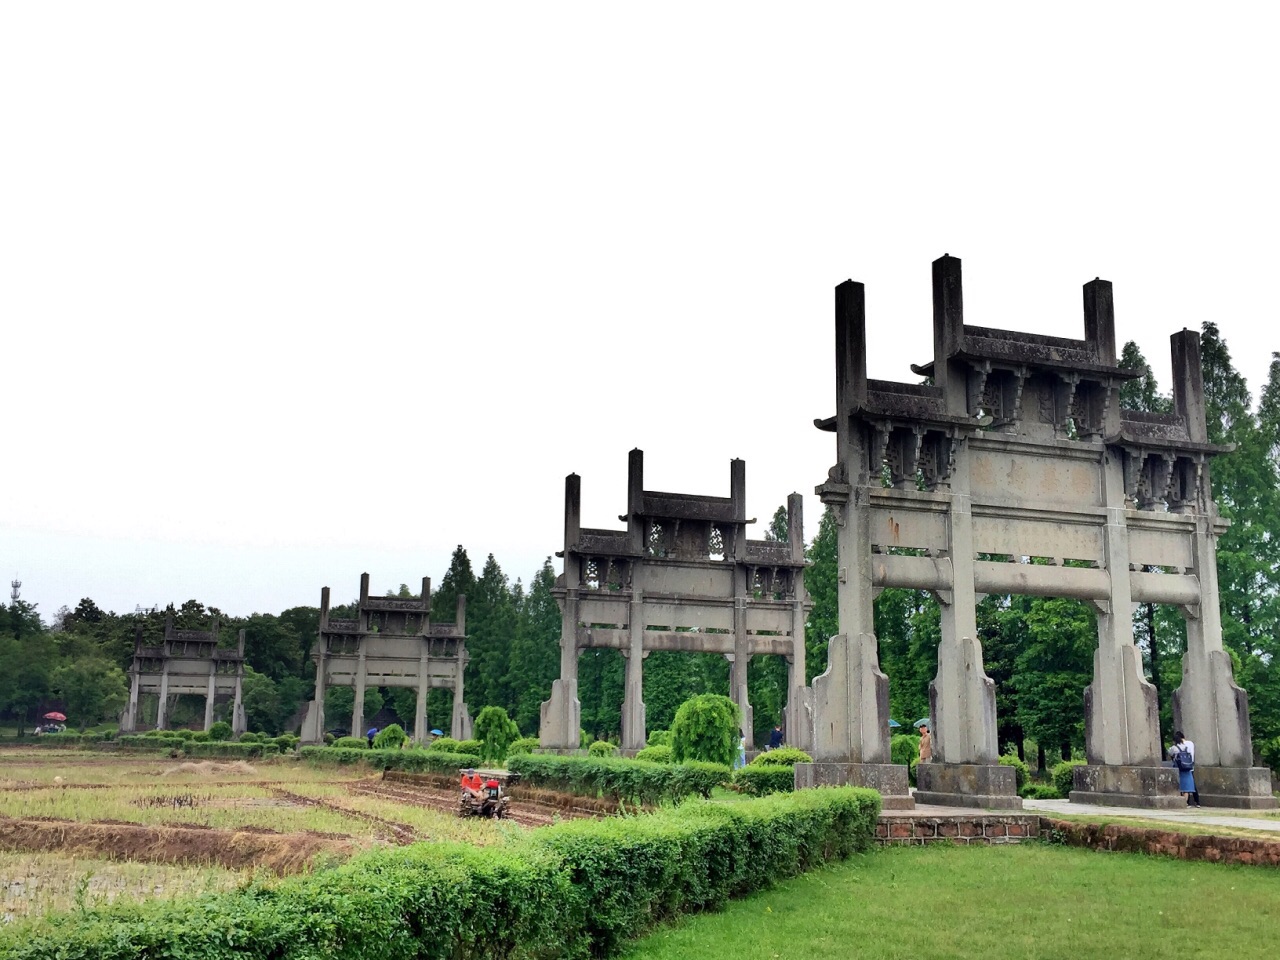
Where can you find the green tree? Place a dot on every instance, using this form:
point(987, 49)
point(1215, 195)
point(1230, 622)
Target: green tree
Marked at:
point(458, 579)
point(491, 627)
point(535, 651)
point(91, 691)
point(778, 530)
point(820, 582)
point(261, 700)
point(497, 731)
point(706, 727)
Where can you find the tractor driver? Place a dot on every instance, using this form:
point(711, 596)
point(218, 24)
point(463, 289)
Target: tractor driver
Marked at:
point(472, 784)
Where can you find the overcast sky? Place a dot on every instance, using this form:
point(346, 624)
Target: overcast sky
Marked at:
point(292, 291)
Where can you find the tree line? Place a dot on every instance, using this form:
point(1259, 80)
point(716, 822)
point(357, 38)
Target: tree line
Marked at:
point(1039, 651)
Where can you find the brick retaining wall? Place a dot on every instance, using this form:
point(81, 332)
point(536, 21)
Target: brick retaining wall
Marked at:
point(962, 829)
point(1165, 843)
point(900, 830)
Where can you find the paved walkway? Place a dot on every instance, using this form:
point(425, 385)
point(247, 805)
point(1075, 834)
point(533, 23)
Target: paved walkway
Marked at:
point(1204, 816)
point(1218, 817)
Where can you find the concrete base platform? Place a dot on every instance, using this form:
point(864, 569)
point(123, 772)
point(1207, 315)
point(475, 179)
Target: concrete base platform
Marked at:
point(985, 785)
point(1154, 788)
point(1241, 788)
point(890, 779)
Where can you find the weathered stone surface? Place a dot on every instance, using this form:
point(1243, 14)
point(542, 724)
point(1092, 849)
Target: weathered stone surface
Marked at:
point(890, 779)
point(681, 577)
point(988, 786)
point(1019, 449)
point(1155, 787)
point(1244, 788)
point(187, 662)
point(391, 643)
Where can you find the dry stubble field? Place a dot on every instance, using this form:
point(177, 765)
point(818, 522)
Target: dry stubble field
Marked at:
point(79, 829)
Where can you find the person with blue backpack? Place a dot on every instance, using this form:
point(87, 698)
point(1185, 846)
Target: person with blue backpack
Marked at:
point(1183, 755)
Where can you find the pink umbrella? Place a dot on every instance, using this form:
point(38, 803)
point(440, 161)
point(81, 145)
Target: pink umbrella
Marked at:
point(54, 715)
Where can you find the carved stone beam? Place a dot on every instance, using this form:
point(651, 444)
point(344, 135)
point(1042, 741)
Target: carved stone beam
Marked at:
point(917, 458)
point(1101, 606)
point(1021, 374)
point(1164, 478)
point(1072, 380)
point(883, 429)
point(978, 391)
point(1133, 460)
point(1111, 389)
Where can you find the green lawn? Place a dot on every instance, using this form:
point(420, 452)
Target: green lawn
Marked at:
point(1027, 901)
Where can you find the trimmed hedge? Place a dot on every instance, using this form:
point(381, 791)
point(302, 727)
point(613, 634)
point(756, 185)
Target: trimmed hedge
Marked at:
point(1040, 791)
point(70, 739)
point(412, 761)
point(523, 745)
point(352, 743)
point(142, 741)
point(632, 781)
point(573, 890)
point(1062, 776)
point(763, 780)
point(656, 754)
point(1020, 772)
point(224, 748)
point(782, 757)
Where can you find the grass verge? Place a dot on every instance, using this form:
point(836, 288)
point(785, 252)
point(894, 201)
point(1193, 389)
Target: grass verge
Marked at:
point(1030, 900)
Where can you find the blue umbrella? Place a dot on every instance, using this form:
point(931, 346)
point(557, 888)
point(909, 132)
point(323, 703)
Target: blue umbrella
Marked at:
point(437, 733)
point(923, 721)
point(894, 723)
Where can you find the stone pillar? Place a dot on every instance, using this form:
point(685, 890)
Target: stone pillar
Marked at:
point(560, 726)
point(1122, 726)
point(962, 698)
point(357, 709)
point(633, 719)
point(460, 728)
point(424, 681)
point(211, 694)
point(322, 686)
point(162, 709)
point(799, 712)
point(851, 697)
point(1209, 707)
point(739, 664)
point(129, 722)
point(239, 724)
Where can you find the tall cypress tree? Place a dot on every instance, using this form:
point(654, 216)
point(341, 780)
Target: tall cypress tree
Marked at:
point(491, 627)
point(535, 653)
point(820, 581)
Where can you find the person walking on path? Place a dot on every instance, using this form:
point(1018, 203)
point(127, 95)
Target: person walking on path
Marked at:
point(926, 745)
point(1183, 755)
point(741, 759)
point(373, 732)
point(775, 738)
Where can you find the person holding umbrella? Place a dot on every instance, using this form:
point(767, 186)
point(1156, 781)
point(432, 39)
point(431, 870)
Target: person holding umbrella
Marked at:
point(926, 741)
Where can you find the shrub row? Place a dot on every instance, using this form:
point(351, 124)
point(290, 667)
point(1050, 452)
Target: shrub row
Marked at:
point(225, 748)
point(450, 745)
point(631, 781)
point(758, 781)
point(573, 890)
point(71, 739)
point(412, 761)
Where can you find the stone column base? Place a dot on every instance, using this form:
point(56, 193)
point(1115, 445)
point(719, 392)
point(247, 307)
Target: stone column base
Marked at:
point(890, 779)
point(1154, 788)
point(1244, 788)
point(985, 785)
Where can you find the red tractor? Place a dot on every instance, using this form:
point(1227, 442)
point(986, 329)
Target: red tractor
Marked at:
point(483, 798)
